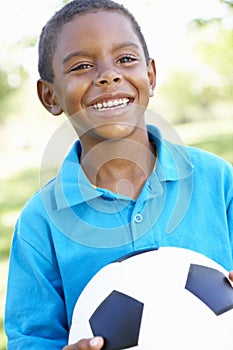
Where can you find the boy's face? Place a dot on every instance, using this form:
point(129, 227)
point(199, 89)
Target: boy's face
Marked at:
point(100, 75)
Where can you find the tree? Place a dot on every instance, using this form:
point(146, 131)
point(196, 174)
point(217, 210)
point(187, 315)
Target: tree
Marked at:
point(12, 74)
point(202, 91)
point(215, 48)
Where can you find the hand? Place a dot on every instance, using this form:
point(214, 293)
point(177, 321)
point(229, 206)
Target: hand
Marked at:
point(95, 343)
point(231, 275)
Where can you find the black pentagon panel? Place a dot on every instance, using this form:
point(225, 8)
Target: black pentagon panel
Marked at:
point(117, 319)
point(210, 286)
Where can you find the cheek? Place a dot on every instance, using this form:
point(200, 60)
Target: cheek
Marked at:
point(73, 94)
point(144, 93)
point(142, 84)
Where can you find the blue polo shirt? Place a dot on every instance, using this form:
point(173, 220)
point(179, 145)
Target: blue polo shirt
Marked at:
point(70, 229)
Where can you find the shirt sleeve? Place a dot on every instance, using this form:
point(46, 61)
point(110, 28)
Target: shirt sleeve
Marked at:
point(35, 314)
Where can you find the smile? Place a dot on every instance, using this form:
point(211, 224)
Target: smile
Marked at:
point(111, 104)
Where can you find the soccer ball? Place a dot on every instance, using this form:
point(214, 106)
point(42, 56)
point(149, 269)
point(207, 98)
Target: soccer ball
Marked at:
point(170, 298)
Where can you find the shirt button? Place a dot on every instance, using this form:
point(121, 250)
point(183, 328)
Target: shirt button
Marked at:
point(138, 218)
point(150, 188)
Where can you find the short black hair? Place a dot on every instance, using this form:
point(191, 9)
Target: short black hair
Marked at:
point(50, 32)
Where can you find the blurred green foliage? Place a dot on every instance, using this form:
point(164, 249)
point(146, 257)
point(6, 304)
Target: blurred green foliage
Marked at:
point(192, 93)
point(4, 86)
point(12, 74)
point(14, 193)
point(10, 82)
point(218, 144)
point(214, 45)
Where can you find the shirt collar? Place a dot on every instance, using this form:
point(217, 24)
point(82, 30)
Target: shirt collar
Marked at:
point(173, 161)
point(72, 187)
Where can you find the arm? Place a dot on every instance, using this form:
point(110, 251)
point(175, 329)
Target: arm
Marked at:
point(35, 314)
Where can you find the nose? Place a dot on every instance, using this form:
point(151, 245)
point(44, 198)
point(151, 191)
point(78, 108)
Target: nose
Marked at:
point(108, 77)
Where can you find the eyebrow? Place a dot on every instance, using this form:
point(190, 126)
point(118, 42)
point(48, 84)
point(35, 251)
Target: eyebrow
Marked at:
point(85, 52)
point(74, 54)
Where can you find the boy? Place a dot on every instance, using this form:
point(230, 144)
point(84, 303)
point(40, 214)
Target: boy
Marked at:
point(121, 189)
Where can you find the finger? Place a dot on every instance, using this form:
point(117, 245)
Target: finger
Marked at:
point(95, 343)
point(231, 275)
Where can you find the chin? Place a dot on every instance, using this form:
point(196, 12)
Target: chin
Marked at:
point(114, 130)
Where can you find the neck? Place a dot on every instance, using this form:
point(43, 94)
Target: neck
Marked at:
point(121, 165)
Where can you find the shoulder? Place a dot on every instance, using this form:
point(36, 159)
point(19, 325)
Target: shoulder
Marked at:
point(212, 171)
point(208, 161)
point(34, 227)
point(34, 212)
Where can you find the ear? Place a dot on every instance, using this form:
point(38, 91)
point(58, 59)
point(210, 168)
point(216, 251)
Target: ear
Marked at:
point(152, 76)
point(47, 97)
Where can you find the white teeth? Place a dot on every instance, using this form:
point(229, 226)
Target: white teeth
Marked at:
point(122, 102)
point(110, 103)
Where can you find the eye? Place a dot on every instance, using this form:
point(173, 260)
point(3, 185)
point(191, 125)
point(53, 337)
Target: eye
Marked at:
point(81, 66)
point(127, 59)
